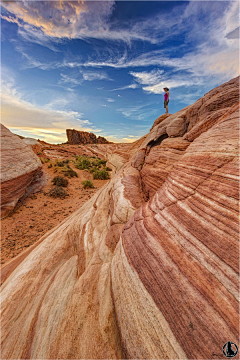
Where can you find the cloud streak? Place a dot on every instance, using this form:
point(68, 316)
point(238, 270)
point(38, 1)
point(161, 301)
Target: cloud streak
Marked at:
point(19, 114)
point(40, 21)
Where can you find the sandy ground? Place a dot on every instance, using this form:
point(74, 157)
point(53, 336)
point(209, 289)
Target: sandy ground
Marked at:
point(38, 213)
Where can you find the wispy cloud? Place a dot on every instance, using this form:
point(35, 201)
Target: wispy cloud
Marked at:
point(17, 113)
point(70, 19)
point(139, 112)
point(94, 75)
point(131, 86)
point(68, 79)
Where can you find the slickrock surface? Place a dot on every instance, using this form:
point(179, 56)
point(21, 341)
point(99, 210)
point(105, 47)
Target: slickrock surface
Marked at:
point(146, 269)
point(19, 167)
point(182, 247)
point(84, 137)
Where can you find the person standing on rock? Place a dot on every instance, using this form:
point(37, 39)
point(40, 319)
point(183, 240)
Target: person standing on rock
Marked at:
point(166, 99)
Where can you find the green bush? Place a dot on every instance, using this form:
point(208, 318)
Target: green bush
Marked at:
point(59, 163)
point(108, 169)
point(60, 181)
point(94, 165)
point(101, 161)
point(69, 173)
point(87, 184)
point(101, 175)
point(58, 192)
point(83, 163)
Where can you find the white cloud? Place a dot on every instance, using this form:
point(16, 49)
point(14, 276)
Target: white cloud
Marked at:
point(93, 75)
point(70, 19)
point(144, 77)
point(111, 100)
point(61, 19)
point(23, 116)
point(139, 112)
point(131, 86)
point(67, 79)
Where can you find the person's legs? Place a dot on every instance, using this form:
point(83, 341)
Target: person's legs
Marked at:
point(166, 106)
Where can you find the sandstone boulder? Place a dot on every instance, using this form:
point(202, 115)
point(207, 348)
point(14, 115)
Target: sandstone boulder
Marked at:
point(177, 127)
point(84, 137)
point(19, 167)
point(159, 120)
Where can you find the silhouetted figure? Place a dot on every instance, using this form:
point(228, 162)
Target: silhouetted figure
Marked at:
point(229, 351)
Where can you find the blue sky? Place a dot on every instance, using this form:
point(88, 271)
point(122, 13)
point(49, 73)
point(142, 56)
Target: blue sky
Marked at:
point(101, 66)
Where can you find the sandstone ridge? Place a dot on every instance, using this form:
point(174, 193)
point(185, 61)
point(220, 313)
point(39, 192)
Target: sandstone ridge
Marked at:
point(148, 267)
point(84, 137)
point(19, 169)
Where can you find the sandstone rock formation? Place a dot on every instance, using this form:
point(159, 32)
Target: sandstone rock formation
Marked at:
point(148, 267)
point(19, 167)
point(84, 137)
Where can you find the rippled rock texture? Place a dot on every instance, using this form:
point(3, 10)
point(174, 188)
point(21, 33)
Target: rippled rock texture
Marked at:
point(19, 168)
point(146, 269)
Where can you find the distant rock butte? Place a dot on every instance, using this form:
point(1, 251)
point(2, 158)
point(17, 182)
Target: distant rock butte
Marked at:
point(19, 168)
point(84, 137)
point(148, 267)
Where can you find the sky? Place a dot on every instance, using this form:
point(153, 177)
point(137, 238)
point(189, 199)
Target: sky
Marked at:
point(101, 66)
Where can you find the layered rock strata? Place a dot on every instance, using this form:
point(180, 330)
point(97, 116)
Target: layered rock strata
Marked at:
point(145, 269)
point(19, 167)
point(181, 249)
point(84, 137)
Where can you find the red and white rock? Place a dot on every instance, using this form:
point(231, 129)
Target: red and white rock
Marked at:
point(19, 167)
point(124, 278)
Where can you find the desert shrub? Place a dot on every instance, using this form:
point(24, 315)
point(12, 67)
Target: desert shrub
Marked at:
point(50, 165)
point(44, 160)
point(83, 163)
point(60, 181)
point(108, 169)
point(59, 163)
point(87, 184)
point(39, 153)
point(58, 192)
point(69, 173)
point(94, 165)
point(102, 162)
point(101, 175)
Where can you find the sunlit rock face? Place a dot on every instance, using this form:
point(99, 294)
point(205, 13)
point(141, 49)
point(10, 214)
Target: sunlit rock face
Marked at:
point(84, 137)
point(176, 266)
point(148, 267)
point(19, 168)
